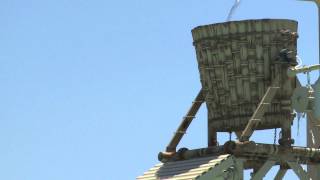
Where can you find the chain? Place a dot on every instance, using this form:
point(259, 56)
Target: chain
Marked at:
point(308, 79)
point(298, 128)
point(275, 136)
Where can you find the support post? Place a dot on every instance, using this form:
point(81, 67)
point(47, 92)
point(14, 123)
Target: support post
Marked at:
point(314, 170)
point(239, 167)
point(212, 137)
point(313, 141)
point(286, 139)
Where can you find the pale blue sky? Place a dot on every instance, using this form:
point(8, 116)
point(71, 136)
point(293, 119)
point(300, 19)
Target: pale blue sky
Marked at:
point(93, 90)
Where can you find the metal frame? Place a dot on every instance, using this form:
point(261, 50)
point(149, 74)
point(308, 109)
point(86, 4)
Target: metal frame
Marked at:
point(297, 169)
point(280, 174)
point(300, 172)
point(232, 168)
point(263, 170)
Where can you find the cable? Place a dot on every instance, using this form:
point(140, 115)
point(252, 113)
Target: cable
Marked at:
point(232, 10)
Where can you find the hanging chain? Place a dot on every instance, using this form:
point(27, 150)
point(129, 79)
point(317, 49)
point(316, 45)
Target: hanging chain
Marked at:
point(308, 78)
point(298, 130)
point(275, 136)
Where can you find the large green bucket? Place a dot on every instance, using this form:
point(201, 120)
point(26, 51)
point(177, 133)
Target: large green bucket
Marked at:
point(237, 62)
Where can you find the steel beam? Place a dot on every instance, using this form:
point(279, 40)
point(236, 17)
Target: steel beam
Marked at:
point(263, 170)
point(250, 151)
point(231, 168)
point(280, 174)
point(313, 141)
point(300, 172)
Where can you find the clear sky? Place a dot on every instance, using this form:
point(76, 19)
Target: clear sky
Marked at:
point(93, 90)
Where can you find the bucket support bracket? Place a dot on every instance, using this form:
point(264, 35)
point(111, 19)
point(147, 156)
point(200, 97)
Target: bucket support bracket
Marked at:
point(261, 109)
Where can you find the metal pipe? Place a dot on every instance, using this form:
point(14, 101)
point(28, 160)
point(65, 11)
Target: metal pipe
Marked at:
point(293, 71)
point(184, 153)
point(250, 150)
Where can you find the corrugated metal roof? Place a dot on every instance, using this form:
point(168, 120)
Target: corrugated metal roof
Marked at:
point(183, 170)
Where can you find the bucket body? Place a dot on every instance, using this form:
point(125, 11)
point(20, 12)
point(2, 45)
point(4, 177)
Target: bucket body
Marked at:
point(237, 62)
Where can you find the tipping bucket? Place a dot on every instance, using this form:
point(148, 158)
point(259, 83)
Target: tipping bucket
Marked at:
point(237, 62)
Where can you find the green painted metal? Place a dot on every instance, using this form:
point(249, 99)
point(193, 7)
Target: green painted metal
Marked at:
point(300, 172)
point(280, 174)
point(263, 170)
point(312, 131)
point(214, 167)
point(316, 105)
point(232, 168)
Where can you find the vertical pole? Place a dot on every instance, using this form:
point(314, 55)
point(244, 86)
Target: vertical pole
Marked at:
point(318, 6)
point(239, 164)
point(312, 133)
point(286, 139)
point(313, 141)
point(212, 136)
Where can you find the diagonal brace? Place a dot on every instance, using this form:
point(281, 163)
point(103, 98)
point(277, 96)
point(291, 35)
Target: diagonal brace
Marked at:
point(280, 174)
point(259, 112)
point(263, 170)
point(300, 172)
point(186, 121)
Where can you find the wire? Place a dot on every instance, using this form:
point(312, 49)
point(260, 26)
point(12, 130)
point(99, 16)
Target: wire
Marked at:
point(275, 136)
point(232, 10)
